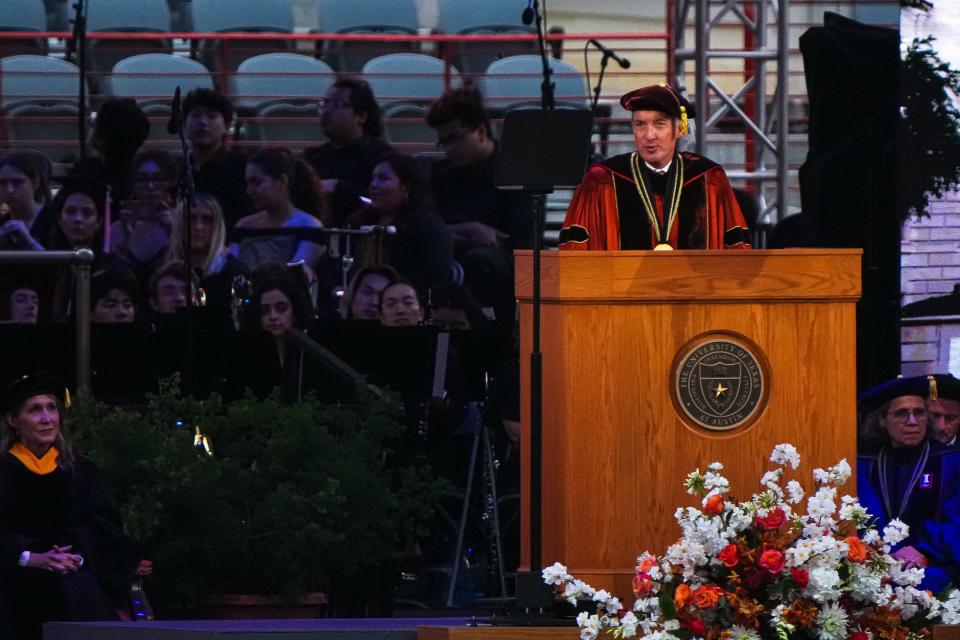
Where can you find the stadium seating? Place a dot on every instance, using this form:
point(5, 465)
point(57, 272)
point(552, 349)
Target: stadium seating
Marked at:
point(364, 16)
point(250, 16)
point(405, 84)
point(23, 15)
point(142, 16)
point(515, 82)
point(470, 17)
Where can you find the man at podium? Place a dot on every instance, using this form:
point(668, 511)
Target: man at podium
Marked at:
point(655, 197)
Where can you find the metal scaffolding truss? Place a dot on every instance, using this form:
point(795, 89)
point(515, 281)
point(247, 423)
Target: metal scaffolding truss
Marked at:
point(761, 112)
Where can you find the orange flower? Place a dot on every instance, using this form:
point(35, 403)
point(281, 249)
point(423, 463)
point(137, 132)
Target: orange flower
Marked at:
point(647, 563)
point(707, 597)
point(681, 597)
point(857, 550)
point(714, 504)
point(801, 613)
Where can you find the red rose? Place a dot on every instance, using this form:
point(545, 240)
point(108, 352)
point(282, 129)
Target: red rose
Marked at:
point(696, 626)
point(773, 520)
point(729, 556)
point(771, 561)
point(859, 635)
point(801, 578)
point(642, 584)
point(714, 504)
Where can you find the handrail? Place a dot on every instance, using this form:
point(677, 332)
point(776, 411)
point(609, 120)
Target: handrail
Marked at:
point(81, 259)
point(320, 354)
point(376, 37)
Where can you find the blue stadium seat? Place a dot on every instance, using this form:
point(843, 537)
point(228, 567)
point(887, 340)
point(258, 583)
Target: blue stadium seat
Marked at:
point(141, 16)
point(364, 16)
point(246, 16)
point(405, 85)
point(39, 103)
point(514, 82)
point(486, 17)
point(26, 16)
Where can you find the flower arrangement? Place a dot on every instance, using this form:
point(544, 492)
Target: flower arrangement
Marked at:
point(760, 570)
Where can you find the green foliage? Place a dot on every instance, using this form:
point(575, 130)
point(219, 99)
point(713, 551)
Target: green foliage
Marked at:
point(293, 492)
point(930, 127)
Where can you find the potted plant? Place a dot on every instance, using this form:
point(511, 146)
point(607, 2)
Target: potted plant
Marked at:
point(258, 496)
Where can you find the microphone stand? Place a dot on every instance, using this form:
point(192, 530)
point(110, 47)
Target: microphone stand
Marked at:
point(596, 90)
point(188, 191)
point(78, 46)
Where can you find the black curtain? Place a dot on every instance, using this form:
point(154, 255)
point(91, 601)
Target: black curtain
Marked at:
point(848, 181)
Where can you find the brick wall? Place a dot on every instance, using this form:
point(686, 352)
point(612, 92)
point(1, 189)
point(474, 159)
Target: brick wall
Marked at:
point(930, 266)
point(930, 251)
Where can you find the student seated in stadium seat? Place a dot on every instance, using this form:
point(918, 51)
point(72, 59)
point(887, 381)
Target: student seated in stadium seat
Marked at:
point(168, 289)
point(118, 133)
point(362, 299)
point(114, 294)
point(25, 194)
point(352, 121)
point(19, 299)
point(210, 258)
point(400, 305)
point(486, 224)
point(453, 308)
point(217, 170)
point(281, 302)
point(421, 249)
point(286, 194)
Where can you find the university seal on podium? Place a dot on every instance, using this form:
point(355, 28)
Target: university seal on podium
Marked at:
point(719, 381)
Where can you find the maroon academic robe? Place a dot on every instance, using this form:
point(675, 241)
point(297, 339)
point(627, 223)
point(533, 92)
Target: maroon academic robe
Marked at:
point(607, 212)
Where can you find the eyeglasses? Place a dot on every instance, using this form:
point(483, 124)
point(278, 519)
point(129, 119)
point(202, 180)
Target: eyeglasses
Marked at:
point(452, 138)
point(902, 415)
point(335, 103)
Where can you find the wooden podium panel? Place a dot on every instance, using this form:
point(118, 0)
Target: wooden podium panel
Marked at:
point(615, 448)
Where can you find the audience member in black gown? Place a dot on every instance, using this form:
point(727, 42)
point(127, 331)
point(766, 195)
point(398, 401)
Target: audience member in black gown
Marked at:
point(209, 255)
point(63, 555)
point(114, 294)
point(421, 249)
point(218, 170)
point(25, 191)
point(362, 299)
point(352, 121)
point(400, 305)
point(20, 299)
point(486, 224)
point(281, 302)
point(453, 308)
point(118, 133)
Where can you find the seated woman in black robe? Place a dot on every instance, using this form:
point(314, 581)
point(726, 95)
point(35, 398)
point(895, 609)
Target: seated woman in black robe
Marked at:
point(63, 555)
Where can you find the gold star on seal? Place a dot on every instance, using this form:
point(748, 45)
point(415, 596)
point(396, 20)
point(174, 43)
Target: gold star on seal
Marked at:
point(721, 389)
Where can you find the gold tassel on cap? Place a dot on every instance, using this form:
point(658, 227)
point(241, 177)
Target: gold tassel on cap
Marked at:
point(684, 124)
point(67, 400)
point(934, 395)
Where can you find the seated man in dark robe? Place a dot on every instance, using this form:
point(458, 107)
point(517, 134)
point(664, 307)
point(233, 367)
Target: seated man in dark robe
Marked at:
point(903, 475)
point(943, 412)
point(656, 197)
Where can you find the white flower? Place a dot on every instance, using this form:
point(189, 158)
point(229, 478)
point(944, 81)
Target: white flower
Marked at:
point(589, 626)
point(832, 622)
point(671, 625)
point(556, 574)
point(715, 466)
point(742, 633)
point(896, 531)
point(795, 490)
point(841, 471)
point(694, 482)
point(951, 608)
point(628, 625)
point(852, 510)
point(871, 537)
point(784, 454)
point(824, 585)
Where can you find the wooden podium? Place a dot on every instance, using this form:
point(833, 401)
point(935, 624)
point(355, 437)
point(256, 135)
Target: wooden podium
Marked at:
point(619, 329)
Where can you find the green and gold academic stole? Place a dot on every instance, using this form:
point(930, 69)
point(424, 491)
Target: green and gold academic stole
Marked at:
point(671, 200)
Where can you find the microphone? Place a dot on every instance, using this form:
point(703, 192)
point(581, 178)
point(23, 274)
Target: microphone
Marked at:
point(623, 62)
point(528, 14)
point(173, 124)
